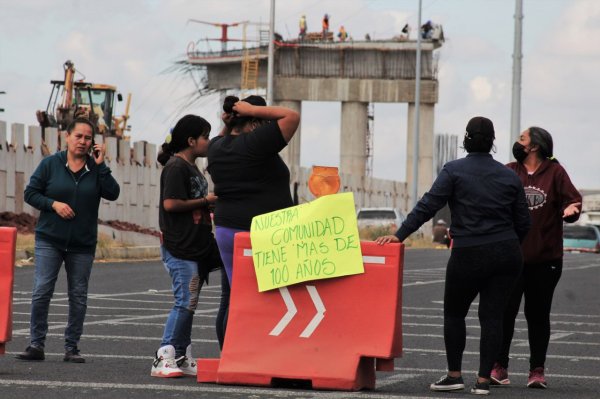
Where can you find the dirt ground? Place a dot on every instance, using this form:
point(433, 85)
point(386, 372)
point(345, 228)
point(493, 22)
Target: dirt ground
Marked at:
point(25, 224)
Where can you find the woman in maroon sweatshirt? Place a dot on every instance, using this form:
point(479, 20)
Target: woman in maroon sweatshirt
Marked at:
point(552, 200)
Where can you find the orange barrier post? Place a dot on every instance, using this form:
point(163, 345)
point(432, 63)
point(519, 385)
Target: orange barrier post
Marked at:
point(331, 334)
point(8, 246)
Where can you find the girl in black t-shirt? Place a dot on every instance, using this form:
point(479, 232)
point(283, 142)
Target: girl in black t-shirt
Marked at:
point(188, 248)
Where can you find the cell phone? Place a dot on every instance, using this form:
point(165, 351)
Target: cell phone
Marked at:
point(93, 152)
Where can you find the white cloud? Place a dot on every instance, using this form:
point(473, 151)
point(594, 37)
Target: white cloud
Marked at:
point(577, 33)
point(481, 88)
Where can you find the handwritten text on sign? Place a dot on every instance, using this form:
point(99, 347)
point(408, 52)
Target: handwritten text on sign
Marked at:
point(311, 241)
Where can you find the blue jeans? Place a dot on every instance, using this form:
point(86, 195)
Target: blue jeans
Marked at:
point(48, 260)
point(186, 286)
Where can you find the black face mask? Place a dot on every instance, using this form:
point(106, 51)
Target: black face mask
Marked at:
point(518, 151)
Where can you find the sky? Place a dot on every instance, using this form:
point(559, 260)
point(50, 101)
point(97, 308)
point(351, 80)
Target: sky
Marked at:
point(132, 44)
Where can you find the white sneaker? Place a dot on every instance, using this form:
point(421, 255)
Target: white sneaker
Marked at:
point(187, 363)
point(164, 364)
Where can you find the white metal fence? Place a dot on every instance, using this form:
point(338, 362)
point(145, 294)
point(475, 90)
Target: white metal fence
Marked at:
point(135, 167)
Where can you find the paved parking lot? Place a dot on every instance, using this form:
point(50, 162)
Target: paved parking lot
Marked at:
point(129, 303)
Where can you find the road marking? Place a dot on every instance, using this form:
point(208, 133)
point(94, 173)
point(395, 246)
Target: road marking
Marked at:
point(556, 335)
point(115, 337)
point(94, 356)
point(394, 379)
point(441, 309)
point(245, 392)
point(472, 372)
point(566, 269)
point(423, 283)
point(477, 326)
point(552, 322)
point(130, 318)
point(526, 355)
point(316, 320)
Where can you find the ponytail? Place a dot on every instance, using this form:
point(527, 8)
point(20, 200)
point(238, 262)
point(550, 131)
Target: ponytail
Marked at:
point(164, 154)
point(543, 139)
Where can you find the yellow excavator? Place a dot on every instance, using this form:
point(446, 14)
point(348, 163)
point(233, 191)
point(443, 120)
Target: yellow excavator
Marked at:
point(91, 100)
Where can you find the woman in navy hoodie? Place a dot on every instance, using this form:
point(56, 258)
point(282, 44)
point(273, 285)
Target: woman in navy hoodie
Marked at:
point(489, 219)
point(66, 188)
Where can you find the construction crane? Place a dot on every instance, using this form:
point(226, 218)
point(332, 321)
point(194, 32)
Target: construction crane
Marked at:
point(224, 39)
point(250, 60)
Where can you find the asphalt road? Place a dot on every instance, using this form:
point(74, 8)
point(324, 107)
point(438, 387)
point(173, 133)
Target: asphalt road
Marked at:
point(129, 303)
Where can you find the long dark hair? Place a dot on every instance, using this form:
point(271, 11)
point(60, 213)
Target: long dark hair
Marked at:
point(241, 121)
point(192, 126)
point(543, 140)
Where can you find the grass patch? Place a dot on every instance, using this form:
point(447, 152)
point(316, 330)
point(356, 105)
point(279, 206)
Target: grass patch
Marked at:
point(26, 242)
point(372, 232)
point(415, 240)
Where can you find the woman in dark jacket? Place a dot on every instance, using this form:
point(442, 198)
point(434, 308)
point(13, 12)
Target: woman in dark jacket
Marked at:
point(66, 188)
point(489, 218)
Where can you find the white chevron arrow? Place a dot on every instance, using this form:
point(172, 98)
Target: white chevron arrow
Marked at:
point(291, 312)
point(316, 320)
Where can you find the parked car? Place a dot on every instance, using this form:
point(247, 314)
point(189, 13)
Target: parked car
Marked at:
point(379, 217)
point(581, 238)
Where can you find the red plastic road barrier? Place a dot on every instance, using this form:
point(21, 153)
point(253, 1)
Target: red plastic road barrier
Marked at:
point(331, 333)
point(8, 246)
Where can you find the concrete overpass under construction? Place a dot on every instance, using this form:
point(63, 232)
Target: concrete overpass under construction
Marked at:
point(353, 73)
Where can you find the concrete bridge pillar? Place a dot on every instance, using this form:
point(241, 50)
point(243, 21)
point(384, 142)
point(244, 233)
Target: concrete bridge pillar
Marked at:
point(291, 153)
point(425, 156)
point(353, 138)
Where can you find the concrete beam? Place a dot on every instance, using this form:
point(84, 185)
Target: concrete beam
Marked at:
point(353, 90)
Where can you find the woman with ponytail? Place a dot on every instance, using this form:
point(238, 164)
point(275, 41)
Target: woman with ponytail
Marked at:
point(552, 200)
point(188, 248)
point(249, 175)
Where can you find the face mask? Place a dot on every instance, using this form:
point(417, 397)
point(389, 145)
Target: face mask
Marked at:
point(518, 151)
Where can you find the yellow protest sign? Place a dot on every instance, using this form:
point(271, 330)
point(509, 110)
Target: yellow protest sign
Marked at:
point(311, 241)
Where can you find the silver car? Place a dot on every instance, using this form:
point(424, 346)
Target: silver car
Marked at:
point(379, 217)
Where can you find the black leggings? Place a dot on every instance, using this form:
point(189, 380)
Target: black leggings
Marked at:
point(223, 313)
point(491, 271)
point(537, 282)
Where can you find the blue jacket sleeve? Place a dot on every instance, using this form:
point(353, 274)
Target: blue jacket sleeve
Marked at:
point(521, 215)
point(109, 188)
point(36, 189)
point(426, 208)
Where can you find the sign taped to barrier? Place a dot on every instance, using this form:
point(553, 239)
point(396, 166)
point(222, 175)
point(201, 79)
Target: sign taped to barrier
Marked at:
point(312, 241)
